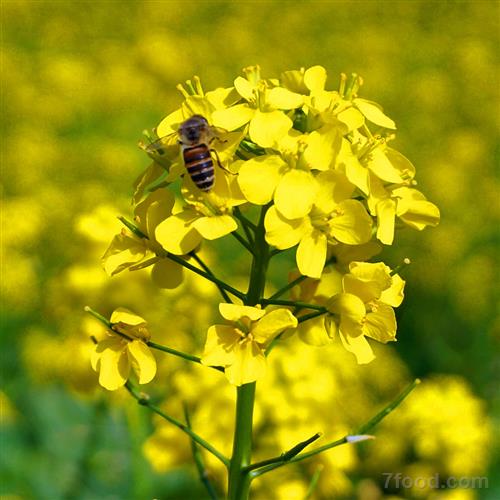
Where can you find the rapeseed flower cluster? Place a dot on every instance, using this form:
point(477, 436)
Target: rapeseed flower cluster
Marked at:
point(328, 187)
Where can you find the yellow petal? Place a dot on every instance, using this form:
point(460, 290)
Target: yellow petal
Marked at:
point(235, 312)
point(219, 346)
point(158, 211)
point(155, 208)
point(380, 165)
point(386, 216)
point(413, 209)
point(374, 113)
point(334, 187)
point(267, 127)
point(215, 226)
point(323, 146)
point(352, 118)
point(167, 274)
point(114, 367)
point(347, 253)
point(401, 163)
point(244, 88)
point(381, 323)
point(151, 174)
point(233, 117)
point(315, 78)
point(294, 81)
point(313, 332)
point(284, 233)
point(367, 280)
point(394, 295)
point(170, 124)
point(221, 98)
point(352, 225)
point(249, 364)
point(295, 194)
point(122, 315)
point(176, 234)
point(311, 254)
point(259, 177)
point(272, 324)
point(228, 144)
point(356, 173)
point(143, 361)
point(196, 105)
point(281, 98)
point(359, 347)
point(351, 311)
point(109, 342)
point(124, 251)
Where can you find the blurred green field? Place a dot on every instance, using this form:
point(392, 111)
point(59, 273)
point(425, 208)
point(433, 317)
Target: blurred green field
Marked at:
point(81, 80)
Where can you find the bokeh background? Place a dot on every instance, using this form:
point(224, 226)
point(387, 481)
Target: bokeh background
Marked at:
point(81, 80)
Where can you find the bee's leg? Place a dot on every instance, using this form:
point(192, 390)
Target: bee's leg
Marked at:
point(215, 138)
point(220, 164)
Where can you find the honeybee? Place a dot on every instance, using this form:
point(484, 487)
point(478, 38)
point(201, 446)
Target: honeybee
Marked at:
point(194, 136)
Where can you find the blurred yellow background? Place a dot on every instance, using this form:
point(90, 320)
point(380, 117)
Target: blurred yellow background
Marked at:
point(81, 80)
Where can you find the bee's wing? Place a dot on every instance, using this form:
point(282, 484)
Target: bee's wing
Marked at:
point(159, 145)
point(218, 132)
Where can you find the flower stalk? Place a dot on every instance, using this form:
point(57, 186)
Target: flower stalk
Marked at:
point(239, 479)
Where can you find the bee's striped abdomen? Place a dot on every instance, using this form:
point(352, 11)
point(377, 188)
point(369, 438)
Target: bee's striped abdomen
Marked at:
point(200, 166)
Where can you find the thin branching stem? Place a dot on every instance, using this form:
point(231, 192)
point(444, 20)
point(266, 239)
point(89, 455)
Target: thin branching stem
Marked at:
point(285, 289)
point(213, 279)
point(350, 438)
point(243, 241)
point(198, 460)
point(202, 264)
point(294, 303)
point(248, 226)
point(143, 400)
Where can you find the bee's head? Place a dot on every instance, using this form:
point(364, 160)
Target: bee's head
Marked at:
point(194, 129)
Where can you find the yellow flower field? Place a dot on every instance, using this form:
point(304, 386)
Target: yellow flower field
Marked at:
point(82, 81)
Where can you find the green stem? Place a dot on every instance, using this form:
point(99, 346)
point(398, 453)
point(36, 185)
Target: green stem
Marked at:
point(202, 264)
point(206, 275)
point(284, 457)
point(350, 438)
point(294, 303)
point(388, 409)
point(180, 354)
point(312, 315)
point(285, 289)
point(144, 401)
point(248, 226)
point(239, 481)
point(243, 241)
point(239, 478)
point(259, 263)
point(198, 460)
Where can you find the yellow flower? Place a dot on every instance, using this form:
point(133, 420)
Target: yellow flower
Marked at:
point(365, 308)
point(334, 218)
point(206, 215)
point(316, 291)
point(132, 251)
point(408, 204)
point(124, 348)
point(240, 346)
point(368, 160)
point(261, 109)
